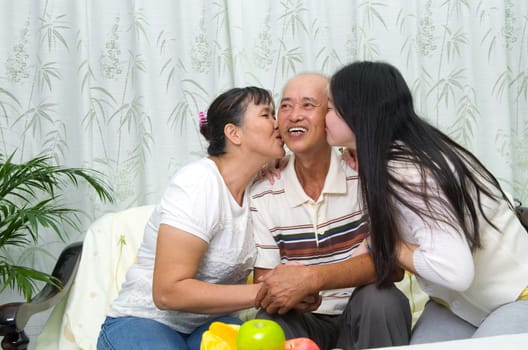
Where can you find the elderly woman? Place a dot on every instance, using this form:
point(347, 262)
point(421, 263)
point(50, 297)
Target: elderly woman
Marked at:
point(198, 251)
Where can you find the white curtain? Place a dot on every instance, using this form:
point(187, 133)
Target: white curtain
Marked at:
point(117, 85)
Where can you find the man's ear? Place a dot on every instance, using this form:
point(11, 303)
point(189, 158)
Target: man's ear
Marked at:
point(232, 133)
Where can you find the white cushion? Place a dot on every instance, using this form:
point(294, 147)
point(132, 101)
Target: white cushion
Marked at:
point(109, 248)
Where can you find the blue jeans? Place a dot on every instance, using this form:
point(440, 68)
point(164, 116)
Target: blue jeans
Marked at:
point(141, 333)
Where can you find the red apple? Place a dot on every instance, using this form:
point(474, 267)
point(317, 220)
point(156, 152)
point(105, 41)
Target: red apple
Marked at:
point(301, 344)
point(259, 334)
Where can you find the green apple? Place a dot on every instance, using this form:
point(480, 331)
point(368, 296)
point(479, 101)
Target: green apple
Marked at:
point(259, 334)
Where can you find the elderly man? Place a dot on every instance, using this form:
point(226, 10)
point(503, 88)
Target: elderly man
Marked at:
point(311, 232)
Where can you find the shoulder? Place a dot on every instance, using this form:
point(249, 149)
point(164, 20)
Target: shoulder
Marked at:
point(341, 172)
point(350, 173)
point(337, 160)
point(203, 165)
point(197, 171)
point(264, 189)
point(197, 177)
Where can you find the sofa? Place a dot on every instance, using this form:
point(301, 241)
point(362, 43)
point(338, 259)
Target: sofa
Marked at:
point(95, 271)
point(109, 248)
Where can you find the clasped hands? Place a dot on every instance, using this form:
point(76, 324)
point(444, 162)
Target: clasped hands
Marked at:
point(293, 286)
point(287, 287)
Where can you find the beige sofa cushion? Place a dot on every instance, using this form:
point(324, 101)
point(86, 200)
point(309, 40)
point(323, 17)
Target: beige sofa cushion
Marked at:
point(109, 248)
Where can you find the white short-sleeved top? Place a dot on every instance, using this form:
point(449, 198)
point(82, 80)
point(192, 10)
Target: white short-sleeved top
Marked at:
point(196, 201)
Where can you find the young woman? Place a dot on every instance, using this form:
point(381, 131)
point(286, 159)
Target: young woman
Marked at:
point(198, 251)
point(435, 210)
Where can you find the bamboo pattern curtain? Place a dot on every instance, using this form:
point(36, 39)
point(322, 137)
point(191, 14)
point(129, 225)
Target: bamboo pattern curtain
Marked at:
point(117, 85)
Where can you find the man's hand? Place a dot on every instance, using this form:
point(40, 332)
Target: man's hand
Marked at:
point(287, 287)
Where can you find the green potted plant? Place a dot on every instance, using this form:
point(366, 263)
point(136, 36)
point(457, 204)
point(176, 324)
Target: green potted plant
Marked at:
point(30, 200)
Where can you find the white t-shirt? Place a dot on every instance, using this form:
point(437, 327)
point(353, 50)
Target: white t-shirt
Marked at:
point(196, 201)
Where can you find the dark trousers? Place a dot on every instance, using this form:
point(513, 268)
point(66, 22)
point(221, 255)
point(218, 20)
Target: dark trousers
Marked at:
point(373, 318)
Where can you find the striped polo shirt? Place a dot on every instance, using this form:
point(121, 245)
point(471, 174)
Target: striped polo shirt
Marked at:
point(290, 226)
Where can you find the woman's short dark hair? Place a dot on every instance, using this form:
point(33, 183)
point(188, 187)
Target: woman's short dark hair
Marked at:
point(229, 108)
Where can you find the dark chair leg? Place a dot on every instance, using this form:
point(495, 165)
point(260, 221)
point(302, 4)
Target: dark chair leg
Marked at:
point(15, 341)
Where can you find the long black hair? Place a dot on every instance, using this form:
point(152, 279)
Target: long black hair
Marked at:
point(376, 103)
point(229, 108)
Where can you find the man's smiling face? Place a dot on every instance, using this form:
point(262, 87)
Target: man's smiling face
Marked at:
point(301, 113)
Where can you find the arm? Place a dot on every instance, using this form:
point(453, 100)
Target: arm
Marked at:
point(405, 252)
point(430, 244)
point(178, 255)
point(433, 255)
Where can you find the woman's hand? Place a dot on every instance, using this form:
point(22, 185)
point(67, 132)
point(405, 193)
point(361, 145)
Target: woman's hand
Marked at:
point(272, 169)
point(309, 303)
point(362, 248)
point(350, 157)
point(404, 253)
